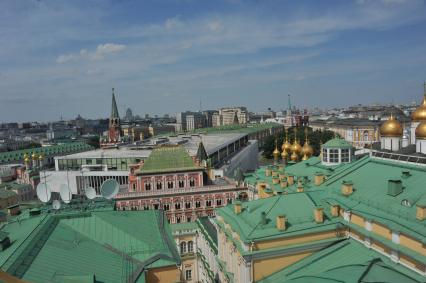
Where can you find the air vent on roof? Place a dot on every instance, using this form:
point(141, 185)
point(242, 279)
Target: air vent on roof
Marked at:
point(406, 174)
point(394, 187)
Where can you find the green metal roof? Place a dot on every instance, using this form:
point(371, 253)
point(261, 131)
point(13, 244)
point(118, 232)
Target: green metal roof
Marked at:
point(168, 159)
point(108, 244)
point(346, 261)
point(337, 143)
point(297, 207)
point(66, 148)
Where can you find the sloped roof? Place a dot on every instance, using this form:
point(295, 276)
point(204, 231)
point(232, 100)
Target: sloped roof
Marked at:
point(168, 159)
point(346, 261)
point(297, 207)
point(77, 245)
point(66, 148)
point(370, 178)
point(337, 143)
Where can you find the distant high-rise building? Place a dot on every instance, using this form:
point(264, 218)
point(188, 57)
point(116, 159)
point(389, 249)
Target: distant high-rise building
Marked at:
point(129, 115)
point(233, 115)
point(189, 121)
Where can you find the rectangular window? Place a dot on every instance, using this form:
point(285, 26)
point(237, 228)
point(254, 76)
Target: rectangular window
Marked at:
point(345, 155)
point(334, 155)
point(324, 155)
point(188, 274)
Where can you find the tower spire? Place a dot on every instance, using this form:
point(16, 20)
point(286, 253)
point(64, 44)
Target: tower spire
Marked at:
point(424, 88)
point(114, 109)
point(289, 102)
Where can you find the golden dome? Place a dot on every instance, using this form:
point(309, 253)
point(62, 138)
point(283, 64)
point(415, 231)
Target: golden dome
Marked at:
point(307, 149)
point(296, 148)
point(26, 160)
point(34, 156)
point(391, 128)
point(305, 157)
point(421, 131)
point(286, 146)
point(294, 156)
point(420, 113)
point(276, 153)
point(40, 157)
point(284, 154)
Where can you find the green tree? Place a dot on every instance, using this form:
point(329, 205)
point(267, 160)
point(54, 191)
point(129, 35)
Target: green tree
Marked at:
point(316, 138)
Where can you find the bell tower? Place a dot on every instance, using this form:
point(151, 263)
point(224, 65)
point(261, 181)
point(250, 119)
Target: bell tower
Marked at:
point(114, 132)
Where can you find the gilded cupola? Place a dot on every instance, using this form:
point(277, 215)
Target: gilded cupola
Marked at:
point(421, 131)
point(419, 114)
point(391, 128)
point(307, 150)
point(276, 152)
point(286, 146)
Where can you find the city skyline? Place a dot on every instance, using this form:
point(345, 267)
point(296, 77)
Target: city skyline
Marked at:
point(62, 59)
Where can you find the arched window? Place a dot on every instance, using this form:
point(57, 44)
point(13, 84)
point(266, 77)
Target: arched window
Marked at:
point(159, 185)
point(181, 184)
point(183, 247)
point(147, 186)
point(177, 205)
point(198, 204)
point(190, 246)
point(170, 185)
point(192, 182)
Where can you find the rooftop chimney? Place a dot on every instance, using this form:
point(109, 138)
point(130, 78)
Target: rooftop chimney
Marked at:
point(281, 222)
point(237, 207)
point(319, 214)
point(347, 188)
point(319, 178)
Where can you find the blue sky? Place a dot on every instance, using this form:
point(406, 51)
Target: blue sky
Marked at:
point(61, 58)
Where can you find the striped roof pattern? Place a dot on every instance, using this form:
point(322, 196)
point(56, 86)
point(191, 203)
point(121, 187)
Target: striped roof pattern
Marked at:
point(66, 148)
point(168, 159)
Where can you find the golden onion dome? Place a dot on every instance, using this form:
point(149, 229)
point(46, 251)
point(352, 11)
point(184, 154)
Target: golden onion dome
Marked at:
point(307, 149)
point(391, 128)
point(34, 156)
point(421, 131)
point(26, 159)
point(286, 146)
point(41, 157)
point(420, 113)
point(294, 156)
point(296, 148)
point(276, 153)
point(284, 154)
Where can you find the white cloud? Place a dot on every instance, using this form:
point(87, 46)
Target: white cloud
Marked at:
point(107, 48)
point(98, 54)
point(65, 58)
